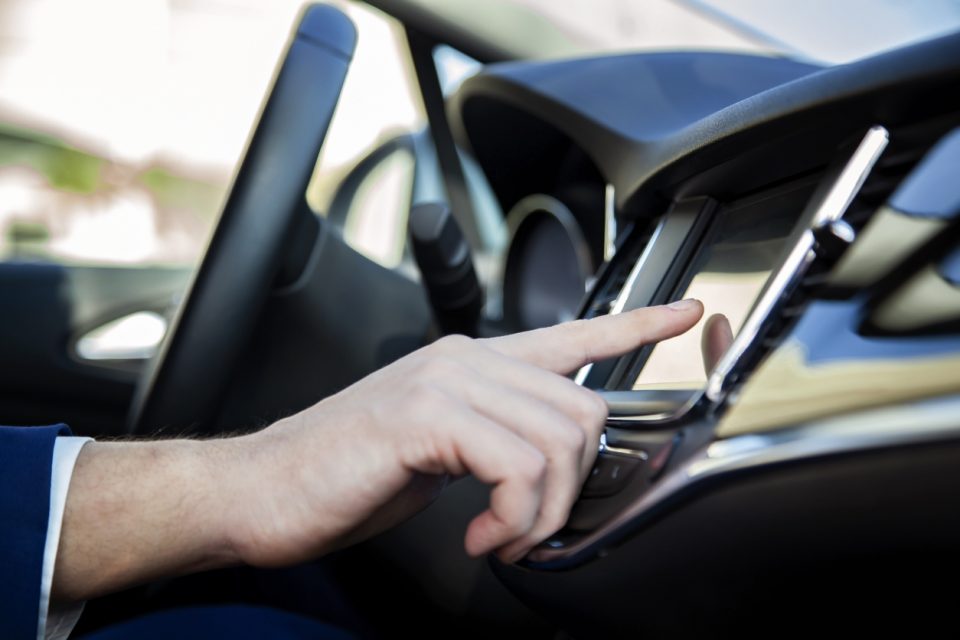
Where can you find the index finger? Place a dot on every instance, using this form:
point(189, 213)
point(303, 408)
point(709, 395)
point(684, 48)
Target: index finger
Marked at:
point(566, 347)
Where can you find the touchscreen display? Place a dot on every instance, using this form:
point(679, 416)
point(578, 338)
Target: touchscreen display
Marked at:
point(742, 248)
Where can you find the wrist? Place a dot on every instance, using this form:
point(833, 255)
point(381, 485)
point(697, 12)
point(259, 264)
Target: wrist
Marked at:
point(235, 473)
point(139, 511)
point(223, 480)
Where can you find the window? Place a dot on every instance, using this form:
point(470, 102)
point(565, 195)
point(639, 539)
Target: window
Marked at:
point(121, 122)
point(373, 139)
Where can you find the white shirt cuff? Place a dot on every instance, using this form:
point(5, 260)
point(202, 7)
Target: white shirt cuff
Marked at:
point(58, 622)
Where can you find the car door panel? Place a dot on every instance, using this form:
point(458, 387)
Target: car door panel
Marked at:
point(44, 309)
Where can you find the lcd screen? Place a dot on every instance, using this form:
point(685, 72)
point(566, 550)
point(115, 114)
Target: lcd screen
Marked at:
point(743, 246)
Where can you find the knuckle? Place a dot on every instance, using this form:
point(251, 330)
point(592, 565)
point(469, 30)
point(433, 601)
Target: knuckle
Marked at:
point(590, 408)
point(571, 440)
point(425, 397)
point(598, 407)
point(554, 519)
point(534, 467)
point(516, 527)
point(440, 367)
point(454, 343)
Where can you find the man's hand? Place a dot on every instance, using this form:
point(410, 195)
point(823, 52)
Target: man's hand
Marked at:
point(500, 409)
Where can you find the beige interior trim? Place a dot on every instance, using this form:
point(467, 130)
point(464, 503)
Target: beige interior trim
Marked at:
point(924, 300)
point(786, 390)
point(887, 240)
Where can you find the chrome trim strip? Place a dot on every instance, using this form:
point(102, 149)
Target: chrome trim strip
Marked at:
point(797, 262)
point(920, 422)
point(628, 286)
point(609, 223)
point(628, 422)
point(582, 374)
point(632, 453)
point(631, 283)
point(848, 183)
point(842, 230)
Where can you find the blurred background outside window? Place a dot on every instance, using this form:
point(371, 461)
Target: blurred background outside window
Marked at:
point(121, 122)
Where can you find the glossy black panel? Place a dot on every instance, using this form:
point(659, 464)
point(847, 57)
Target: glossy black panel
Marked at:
point(648, 153)
point(859, 543)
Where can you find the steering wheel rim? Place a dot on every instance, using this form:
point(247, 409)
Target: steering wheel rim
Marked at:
point(184, 383)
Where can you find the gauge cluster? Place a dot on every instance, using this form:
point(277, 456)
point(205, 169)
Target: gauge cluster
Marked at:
point(549, 264)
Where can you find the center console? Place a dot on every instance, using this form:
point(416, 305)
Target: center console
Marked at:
point(758, 260)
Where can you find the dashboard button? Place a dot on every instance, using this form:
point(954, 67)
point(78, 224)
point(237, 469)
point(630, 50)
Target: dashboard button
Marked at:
point(655, 448)
point(609, 475)
point(661, 456)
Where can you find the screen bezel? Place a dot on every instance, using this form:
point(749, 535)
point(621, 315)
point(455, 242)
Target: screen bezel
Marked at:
point(795, 196)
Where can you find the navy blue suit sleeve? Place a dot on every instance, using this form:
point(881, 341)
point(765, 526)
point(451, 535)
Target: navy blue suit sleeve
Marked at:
point(26, 455)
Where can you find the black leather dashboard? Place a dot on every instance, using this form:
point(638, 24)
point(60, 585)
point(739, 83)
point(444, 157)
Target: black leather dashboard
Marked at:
point(650, 122)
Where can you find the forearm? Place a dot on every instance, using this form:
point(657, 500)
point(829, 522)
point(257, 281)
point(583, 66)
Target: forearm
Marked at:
point(138, 511)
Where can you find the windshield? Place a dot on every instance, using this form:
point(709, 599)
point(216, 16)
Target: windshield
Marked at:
point(823, 31)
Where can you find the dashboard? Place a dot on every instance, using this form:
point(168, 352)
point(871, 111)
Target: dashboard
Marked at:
point(818, 210)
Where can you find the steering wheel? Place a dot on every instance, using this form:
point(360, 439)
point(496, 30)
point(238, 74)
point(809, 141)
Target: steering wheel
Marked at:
point(184, 383)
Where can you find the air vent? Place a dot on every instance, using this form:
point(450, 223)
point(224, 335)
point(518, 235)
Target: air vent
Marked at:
point(908, 145)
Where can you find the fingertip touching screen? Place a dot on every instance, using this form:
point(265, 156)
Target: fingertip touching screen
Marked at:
point(743, 245)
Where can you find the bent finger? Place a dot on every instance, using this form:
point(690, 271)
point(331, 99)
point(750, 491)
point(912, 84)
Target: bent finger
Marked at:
point(466, 441)
point(562, 401)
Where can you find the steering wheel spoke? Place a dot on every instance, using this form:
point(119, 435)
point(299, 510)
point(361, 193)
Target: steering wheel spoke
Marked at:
point(185, 381)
